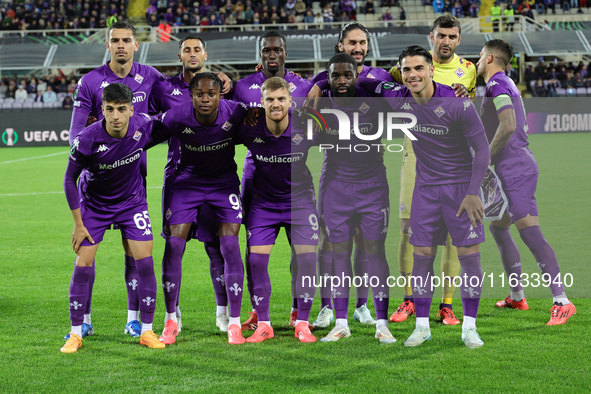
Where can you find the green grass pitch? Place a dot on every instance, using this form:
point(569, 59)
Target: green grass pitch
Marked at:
point(520, 353)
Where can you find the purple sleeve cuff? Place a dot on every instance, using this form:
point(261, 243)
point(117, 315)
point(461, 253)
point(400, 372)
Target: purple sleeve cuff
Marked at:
point(78, 122)
point(480, 161)
point(72, 173)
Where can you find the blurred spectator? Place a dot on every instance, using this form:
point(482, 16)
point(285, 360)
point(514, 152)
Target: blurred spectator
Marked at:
point(328, 13)
point(39, 97)
point(474, 8)
point(21, 93)
point(387, 16)
point(309, 18)
point(549, 4)
point(457, 10)
point(539, 88)
point(231, 19)
point(67, 102)
point(369, 7)
point(318, 19)
point(3, 88)
point(32, 87)
point(509, 18)
point(11, 89)
point(49, 96)
point(164, 30)
point(540, 7)
point(495, 16)
point(72, 86)
point(401, 16)
point(438, 6)
point(300, 8)
point(512, 73)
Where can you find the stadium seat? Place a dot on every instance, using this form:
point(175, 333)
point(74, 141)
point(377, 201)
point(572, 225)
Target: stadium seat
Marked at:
point(37, 105)
point(48, 105)
point(17, 105)
point(6, 105)
point(582, 92)
point(9, 100)
point(28, 105)
point(61, 96)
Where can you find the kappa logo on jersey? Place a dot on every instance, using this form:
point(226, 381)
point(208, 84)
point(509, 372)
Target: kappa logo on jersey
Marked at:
point(296, 139)
point(138, 78)
point(227, 126)
point(472, 234)
point(257, 140)
point(460, 73)
point(147, 232)
point(292, 87)
point(314, 237)
point(176, 92)
point(137, 135)
point(467, 104)
point(406, 106)
point(188, 131)
point(104, 84)
point(254, 86)
point(493, 83)
point(364, 108)
point(439, 111)
point(516, 265)
point(102, 148)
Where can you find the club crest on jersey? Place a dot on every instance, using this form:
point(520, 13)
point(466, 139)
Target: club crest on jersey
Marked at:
point(292, 87)
point(364, 108)
point(460, 72)
point(227, 126)
point(138, 78)
point(296, 139)
point(168, 213)
point(439, 111)
point(370, 76)
point(137, 135)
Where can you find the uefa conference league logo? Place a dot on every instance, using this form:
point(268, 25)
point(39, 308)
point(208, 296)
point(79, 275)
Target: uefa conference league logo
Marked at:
point(9, 137)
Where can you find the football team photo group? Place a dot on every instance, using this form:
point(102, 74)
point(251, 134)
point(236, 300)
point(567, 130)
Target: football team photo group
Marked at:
point(336, 220)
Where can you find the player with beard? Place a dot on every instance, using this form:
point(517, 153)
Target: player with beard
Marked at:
point(353, 40)
point(283, 196)
point(355, 195)
point(122, 45)
point(168, 94)
point(449, 69)
point(506, 128)
point(248, 91)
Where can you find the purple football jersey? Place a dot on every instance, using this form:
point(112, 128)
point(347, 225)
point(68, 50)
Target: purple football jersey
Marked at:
point(281, 177)
point(88, 94)
point(167, 94)
point(443, 130)
point(368, 72)
point(113, 178)
point(342, 161)
point(515, 159)
point(248, 90)
point(207, 152)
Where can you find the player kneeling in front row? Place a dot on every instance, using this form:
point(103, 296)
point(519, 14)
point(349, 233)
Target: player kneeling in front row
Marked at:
point(113, 192)
point(506, 127)
point(282, 196)
point(446, 195)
